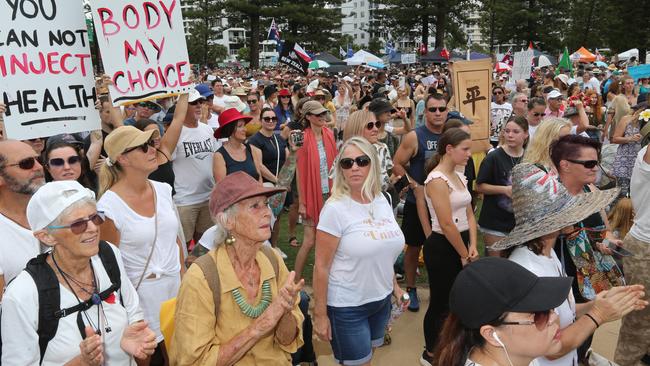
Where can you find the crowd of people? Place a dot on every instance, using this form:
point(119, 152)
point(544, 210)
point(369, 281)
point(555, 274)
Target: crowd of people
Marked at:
point(156, 239)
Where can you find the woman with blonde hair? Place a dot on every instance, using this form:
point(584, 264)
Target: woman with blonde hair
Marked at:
point(404, 103)
point(628, 137)
point(618, 109)
point(549, 130)
point(357, 242)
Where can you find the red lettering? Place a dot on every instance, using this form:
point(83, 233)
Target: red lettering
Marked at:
point(133, 81)
point(168, 11)
point(14, 62)
point(148, 73)
point(180, 73)
point(128, 51)
point(82, 62)
point(3, 68)
point(40, 70)
point(64, 58)
point(125, 18)
point(116, 76)
point(150, 6)
point(169, 68)
point(51, 62)
point(106, 17)
point(159, 47)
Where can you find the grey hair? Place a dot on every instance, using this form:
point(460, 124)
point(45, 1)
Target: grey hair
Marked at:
point(516, 96)
point(221, 221)
point(64, 214)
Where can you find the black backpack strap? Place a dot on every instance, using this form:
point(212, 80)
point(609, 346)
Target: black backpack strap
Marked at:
point(109, 261)
point(49, 299)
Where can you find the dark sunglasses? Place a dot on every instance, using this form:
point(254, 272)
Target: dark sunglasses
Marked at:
point(540, 320)
point(196, 102)
point(497, 93)
point(589, 164)
point(538, 114)
point(59, 162)
point(80, 226)
point(269, 119)
point(252, 101)
point(285, 96)
point(362, 161)
point(144, 147)
point(25, 164)
point(436, 109)
point(376, 124)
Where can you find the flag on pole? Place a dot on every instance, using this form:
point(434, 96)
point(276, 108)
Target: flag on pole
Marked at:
point(274, 32)
point(445, 53)
point(565, 62)
point(423, 49)
point(342, 52)
point(508, 58)
point(599, 57)
point(295, 57)
point(350, 51)
point(530, 45)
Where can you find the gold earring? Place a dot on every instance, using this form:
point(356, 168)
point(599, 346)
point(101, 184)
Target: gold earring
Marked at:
point(230, 240)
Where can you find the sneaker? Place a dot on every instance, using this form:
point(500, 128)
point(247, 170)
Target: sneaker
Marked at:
point(282, 254)
point(399, 276)
point(425, 359)
point(414, 305)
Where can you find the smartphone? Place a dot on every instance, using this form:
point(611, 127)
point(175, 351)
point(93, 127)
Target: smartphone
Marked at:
point(297, 138)
point(402, 183)
point(618, 250)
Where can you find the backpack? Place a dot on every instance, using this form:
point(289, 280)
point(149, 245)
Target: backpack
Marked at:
point(209, 268)
point(49, 295)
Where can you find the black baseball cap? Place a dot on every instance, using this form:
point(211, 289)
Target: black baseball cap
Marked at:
point(486, 289)
point(379, 106)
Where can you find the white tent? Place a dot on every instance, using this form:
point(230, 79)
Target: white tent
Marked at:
point(634, 52)
point(362, 57)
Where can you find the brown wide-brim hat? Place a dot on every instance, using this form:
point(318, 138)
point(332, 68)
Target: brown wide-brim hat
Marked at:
point(237, 187)
point(542, 205)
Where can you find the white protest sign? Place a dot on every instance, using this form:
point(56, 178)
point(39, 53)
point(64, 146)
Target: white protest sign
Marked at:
point(429, 80)
point(143, 48)
point(408, 58)
point(523, 61)
point(46, 73)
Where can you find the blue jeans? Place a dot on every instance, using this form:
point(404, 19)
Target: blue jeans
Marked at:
point(356, 330)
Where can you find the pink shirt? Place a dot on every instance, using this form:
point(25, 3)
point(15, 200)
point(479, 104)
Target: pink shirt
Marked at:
point(459, 198)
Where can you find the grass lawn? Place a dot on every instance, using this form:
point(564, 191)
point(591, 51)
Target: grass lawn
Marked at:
point(309, 267)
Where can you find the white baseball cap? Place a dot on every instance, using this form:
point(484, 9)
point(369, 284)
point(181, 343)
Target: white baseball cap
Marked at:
point(553, 94)
point(194, 95)
point(53, 198)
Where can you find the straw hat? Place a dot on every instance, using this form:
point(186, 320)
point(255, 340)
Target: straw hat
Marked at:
point(542, 205)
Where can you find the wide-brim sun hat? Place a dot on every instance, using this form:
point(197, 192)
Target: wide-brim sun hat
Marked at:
point(124, 138)
point(542, 205)
point(229, 116)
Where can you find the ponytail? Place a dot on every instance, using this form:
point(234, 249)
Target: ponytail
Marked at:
point(108, 176)
point(456, 342)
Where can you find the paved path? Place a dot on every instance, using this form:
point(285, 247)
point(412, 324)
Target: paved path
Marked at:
point(408, 340)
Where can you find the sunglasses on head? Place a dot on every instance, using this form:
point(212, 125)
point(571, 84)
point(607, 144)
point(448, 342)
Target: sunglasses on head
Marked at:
point(80, 226)
point(361, 161)
point(144, 147)
point(269, 119)
point(25, 164)
point(589, 164)
point(376, 124)
point(436, 109)
point(540, 320)
point(59, 162)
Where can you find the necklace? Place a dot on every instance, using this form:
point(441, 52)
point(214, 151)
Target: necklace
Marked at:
point(257, 310)
point(513, 160)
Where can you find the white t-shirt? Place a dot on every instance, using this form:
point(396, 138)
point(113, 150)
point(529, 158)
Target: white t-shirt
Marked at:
point(640, 194)
point(20, 321)
point(543, 266)
point(574, 131)
point(193, 165)
point(370, 242)
point(469, 362)
point(136, 236)
point(499, 114)
point(17, 247)
point(220, 101)
point(531, 133)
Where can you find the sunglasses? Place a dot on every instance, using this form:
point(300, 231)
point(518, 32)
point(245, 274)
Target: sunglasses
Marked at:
point(269, 119)
point(25, 164)
point(524, 100)
point(80, 226)
point(144, 147)
point(322, 115)
point(285, 96)
point(59, 162)
point(196, 102)
point(589, 164)
point(347, 163)
point(252, 101)
point(540, 320)
point(370, 125)
point(538, 114)
point(436, 109)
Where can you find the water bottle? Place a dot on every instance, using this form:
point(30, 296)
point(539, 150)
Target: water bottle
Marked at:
point(398, 308)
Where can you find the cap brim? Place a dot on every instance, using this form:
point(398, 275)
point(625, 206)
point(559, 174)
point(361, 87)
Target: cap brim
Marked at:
point(579, 208)
point(318, 111)
point(547, 293)
point(261, 191)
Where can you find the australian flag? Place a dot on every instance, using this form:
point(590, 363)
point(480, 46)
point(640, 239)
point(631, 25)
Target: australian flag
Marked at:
point(274, 35)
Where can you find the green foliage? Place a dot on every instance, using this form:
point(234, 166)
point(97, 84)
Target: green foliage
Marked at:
point(374, 46)
point(243, 54)
point(204, 18)
point(311, 23)
point(627, 26)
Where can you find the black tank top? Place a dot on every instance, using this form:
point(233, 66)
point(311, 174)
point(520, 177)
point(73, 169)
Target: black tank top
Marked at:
point(232, 165)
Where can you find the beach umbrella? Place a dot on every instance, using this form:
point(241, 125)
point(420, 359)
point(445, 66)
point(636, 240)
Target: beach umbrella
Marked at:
point(543, 61)
point(600, 64)
point(318, 64)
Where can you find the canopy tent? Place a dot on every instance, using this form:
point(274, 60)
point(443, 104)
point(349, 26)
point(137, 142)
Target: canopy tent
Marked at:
point(336, 65)
point(362, 57)
point(584, 55)
point(434, 56)
point(461, 56)
point(624, 56)
point(542, 61)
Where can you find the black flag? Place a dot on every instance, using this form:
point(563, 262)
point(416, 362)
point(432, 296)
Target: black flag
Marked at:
point(294, 56)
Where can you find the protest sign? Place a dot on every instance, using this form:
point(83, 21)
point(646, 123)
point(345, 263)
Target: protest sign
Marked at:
point(638, 72)
point(522, 64)
point(143, 48)
point(408, 58)
point(295, 57)
point(46, 71)
point(471, 81)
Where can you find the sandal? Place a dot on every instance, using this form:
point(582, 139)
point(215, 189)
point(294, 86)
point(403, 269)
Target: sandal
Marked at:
point(293, 241)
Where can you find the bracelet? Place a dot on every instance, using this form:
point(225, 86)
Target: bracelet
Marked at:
point(592, 319)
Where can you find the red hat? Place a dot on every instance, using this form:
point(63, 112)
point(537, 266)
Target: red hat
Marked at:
point(236, 187)
point(284, 93)
point(229, 116)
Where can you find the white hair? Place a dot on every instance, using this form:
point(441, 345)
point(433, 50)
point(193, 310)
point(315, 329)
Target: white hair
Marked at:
point(221, 221)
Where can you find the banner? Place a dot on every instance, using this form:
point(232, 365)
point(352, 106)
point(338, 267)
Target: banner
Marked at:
point(408, 58)
point(295, 57)
point(472, 97)
point(46, 73)
point(522, 64)
point(143, 48)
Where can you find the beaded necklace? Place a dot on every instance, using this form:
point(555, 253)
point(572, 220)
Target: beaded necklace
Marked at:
point(257, 310)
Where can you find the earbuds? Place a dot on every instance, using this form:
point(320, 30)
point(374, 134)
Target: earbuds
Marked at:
point(496, 338)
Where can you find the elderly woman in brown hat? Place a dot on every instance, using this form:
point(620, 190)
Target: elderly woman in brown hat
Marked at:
point(238, 304)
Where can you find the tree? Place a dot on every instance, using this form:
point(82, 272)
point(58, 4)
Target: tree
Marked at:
point(627, 26)
point(204, 18)
point(250, 13)
point(443, 17)
point(243, 54)
point(310, 23)
point(374, 46)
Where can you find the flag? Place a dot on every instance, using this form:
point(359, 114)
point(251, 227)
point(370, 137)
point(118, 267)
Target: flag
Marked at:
point(350, 51)
point(274, 32)
point(530, 45)
point(389, 49)
point(565, 62)
point(295, 57)
point(423, 49)
point(508, 58)
point(599, 57)
point(342, 52)
point(445, 53)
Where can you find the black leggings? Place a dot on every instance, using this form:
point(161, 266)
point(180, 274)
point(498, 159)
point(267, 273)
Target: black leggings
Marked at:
point(443, 265)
